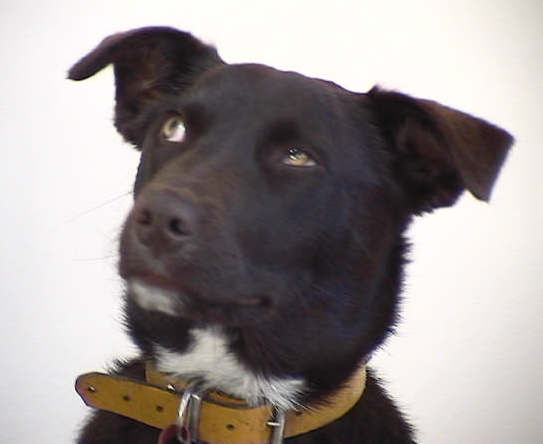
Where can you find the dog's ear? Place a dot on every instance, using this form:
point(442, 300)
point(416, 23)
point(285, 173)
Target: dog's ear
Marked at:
point(149, 63)
point(438, 151)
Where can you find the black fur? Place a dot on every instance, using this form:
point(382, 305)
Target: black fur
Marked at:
point(301, 266)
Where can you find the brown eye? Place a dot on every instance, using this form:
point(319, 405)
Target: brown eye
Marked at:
point(173, 130)
point(298, 158)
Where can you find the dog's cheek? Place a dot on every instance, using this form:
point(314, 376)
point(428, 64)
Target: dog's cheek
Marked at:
point(153, 158)
point(143, 174)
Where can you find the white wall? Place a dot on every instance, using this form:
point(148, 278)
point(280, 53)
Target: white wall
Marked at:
point(467, 363)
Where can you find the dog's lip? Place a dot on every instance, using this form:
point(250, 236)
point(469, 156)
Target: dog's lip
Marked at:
point(153, 298)
point(152, 281)
point(182, 293)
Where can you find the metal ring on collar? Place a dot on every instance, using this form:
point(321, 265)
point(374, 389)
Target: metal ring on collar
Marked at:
point(188, 417)
point(278, 424)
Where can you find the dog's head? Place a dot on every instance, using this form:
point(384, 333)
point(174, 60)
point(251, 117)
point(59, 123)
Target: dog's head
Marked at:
point(273, 205)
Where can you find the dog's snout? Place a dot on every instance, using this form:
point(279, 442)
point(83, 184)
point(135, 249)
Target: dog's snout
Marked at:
point(164, 219)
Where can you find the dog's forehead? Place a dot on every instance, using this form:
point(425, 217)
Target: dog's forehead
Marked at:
point(260, 86)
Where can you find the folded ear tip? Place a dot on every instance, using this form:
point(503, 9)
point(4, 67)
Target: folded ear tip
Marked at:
point(109, 50)
point(508, 141)
point(75, 73)
point(85, 68)
point(90, 64)
point(482, 188)
point(482, 194)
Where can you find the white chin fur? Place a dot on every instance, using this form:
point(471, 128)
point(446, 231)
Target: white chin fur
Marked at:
point(153, 298)
point(209, 359)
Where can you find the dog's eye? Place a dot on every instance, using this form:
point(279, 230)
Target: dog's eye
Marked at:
point(173, 130)
point(298, 158)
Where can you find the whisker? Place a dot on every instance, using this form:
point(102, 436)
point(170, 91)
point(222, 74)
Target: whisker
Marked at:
point(97, 207)
point(98, 259)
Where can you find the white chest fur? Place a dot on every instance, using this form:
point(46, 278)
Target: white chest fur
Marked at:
point(209, 359)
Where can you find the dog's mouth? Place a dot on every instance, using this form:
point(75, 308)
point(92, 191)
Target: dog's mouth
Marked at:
point(155, 293)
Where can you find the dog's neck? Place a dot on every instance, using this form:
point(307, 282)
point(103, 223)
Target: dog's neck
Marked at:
point(209, 359)
point(165, 402)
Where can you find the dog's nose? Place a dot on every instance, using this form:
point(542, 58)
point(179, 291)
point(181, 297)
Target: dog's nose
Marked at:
point(163, 219)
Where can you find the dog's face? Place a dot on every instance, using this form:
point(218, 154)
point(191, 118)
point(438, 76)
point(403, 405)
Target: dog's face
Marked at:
point(252, 206)
point(272, 206)
point(248, 194)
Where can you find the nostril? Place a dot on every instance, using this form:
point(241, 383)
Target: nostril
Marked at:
point(163, 220)
point(177, 228)
point(144, 217)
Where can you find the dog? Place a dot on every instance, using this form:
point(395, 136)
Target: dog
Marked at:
point(264, 251)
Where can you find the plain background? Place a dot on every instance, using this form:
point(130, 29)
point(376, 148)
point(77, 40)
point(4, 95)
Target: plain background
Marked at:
point(467, 362)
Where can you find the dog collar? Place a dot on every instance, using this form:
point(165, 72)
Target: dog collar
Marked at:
point(162, 402)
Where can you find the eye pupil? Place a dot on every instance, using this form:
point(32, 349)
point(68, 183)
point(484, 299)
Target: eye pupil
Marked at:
point(173, 130)
point(296, 154)
point(299, 158)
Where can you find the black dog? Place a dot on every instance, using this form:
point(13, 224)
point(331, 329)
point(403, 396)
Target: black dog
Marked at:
point(263, 255)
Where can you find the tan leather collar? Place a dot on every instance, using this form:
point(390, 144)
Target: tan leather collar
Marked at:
point(223, 420)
